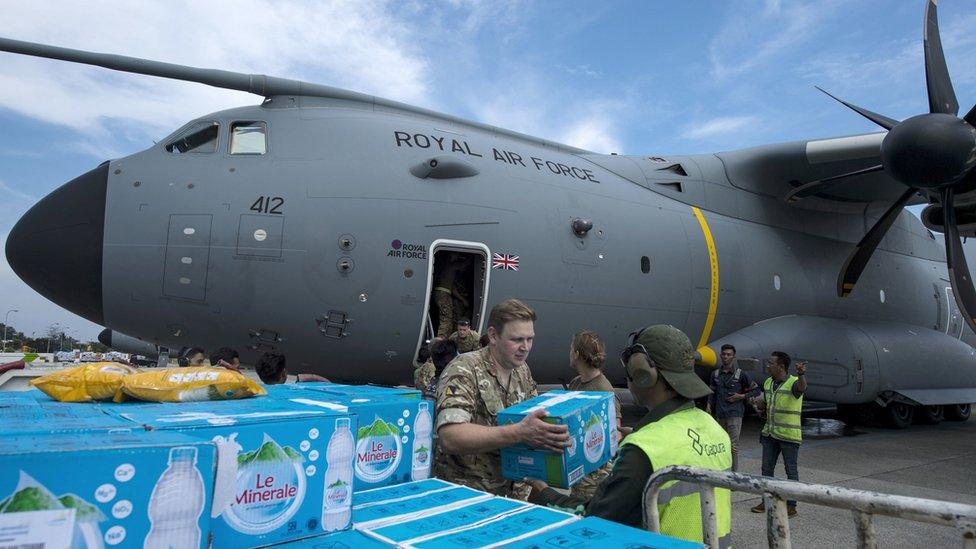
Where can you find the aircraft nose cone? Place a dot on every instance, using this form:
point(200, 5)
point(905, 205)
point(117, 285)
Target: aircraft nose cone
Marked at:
point(56, 247)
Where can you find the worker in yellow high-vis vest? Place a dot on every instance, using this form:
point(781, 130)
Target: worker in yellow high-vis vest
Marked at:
point(782, 402)
point(659, 363)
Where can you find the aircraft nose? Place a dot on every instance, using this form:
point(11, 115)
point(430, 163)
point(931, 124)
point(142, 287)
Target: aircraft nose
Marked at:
point(56, 247)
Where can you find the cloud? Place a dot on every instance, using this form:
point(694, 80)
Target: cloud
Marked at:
point(752, 38)
point(9, 192)
point(720, 126)
point(358, 45)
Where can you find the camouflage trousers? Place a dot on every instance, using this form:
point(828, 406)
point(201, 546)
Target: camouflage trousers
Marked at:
point(586, 487)
point(445, 313)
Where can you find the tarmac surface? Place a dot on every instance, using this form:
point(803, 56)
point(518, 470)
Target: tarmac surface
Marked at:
point(926, 461)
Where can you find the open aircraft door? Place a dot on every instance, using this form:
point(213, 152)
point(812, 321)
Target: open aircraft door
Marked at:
point(469, 290)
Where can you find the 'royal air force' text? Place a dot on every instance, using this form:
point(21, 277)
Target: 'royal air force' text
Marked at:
point(448, 144)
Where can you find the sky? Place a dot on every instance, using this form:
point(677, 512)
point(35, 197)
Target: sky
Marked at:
point(641, 77)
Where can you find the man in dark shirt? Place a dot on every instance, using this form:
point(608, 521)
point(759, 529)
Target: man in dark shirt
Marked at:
point(730, 388)
point(668, 387)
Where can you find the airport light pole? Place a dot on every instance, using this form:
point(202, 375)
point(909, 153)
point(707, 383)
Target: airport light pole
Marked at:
point(6, 318)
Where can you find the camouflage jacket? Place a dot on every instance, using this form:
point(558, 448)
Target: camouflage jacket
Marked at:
point(466, 344)
point(469, 392)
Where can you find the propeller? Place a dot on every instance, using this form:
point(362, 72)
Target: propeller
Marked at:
point(933, 152)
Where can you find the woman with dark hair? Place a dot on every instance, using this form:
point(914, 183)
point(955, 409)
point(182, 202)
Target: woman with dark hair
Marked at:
point(587, 356)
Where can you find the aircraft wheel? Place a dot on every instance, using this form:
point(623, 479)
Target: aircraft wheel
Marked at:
point(929, 415)
point(898, 415)
point(958, 412)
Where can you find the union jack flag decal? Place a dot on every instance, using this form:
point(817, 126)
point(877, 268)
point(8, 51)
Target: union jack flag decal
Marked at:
point(505, 261)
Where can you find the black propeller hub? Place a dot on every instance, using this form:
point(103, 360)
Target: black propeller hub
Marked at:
point(929, 150)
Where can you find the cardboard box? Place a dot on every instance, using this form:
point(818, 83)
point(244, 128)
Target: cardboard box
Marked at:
point(397, 510)
point(394, 441)
point(597, 532)
point(33, 412)
point(487, 523)
point(105, 489)
point(399, 491)
point(349, 539)
point(279, 475)
point(592, 421)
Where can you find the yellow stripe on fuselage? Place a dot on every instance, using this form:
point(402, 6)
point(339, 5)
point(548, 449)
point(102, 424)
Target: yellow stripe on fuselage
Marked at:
point(713, 263)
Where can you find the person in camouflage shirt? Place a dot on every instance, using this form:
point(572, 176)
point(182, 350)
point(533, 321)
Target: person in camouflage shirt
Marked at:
point(474, 388)
point(465, 338)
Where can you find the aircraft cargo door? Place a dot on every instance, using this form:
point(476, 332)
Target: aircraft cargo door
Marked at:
point(457, 287)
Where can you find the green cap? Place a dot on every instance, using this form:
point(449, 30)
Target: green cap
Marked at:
point(672, 353)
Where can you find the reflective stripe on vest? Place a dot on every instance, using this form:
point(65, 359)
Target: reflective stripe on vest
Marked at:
point(782, 411)
point(692, 438)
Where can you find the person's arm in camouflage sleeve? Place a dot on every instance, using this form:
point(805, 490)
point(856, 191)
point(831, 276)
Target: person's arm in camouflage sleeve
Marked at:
point(618, 498)
point(457, 397)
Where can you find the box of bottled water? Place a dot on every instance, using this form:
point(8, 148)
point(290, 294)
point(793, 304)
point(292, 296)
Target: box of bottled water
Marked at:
point(349, 539)
point(436, 513)
point(597, 532)
point(284, 470)
point(126, 489)
point(33, 412)
point(592, 421)
point(394, 440)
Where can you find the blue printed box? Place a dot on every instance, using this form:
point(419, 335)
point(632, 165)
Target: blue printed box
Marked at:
point(134, 489)
point(510, 526)
point(592, 422)
point(33, 412)
point(597, 532)
point(350, 539)
point(284, 471)
point(395, 437)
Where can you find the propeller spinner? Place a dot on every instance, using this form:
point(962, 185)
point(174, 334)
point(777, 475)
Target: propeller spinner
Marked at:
point(934, 151)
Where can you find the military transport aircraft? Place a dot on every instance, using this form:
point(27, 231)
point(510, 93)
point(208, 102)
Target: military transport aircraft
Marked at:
point(317, 222)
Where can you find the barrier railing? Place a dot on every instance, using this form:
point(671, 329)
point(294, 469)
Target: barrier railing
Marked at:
point(864, 505)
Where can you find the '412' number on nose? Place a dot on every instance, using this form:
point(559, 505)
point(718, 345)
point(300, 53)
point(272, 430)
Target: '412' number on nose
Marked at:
point(268, 205)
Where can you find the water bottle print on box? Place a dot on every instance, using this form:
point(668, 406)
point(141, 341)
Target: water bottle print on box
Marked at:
point(176, 503)
point(337, 503)
point(270, 487)
point(422, 443)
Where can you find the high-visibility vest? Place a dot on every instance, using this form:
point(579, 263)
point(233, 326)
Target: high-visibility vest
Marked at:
point(688, 437)
point(782, 411)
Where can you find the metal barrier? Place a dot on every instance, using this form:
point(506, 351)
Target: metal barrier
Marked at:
point(864, 504)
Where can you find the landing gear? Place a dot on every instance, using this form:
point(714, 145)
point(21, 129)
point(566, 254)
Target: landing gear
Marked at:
point(898, 415)
point(855, 414)
point(929, 415)
point(958, 412)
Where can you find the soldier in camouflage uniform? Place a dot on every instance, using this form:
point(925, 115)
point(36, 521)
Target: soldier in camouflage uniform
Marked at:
point(465, 338)
point(474, 388)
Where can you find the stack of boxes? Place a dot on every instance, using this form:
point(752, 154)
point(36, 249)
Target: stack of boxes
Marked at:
point(299, 467)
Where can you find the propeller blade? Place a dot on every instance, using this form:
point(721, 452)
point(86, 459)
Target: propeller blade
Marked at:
point(879, 119)
point(959, 277)
point(809, 189)
point(971, 116)
point(942, 98)
point(859, 257)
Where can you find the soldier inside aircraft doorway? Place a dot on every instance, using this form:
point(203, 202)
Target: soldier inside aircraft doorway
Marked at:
point(447, 270)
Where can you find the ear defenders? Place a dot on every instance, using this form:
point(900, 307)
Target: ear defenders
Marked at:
point(640, 367)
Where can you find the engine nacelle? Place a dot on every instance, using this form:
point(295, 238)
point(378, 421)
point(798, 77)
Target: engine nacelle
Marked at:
point(854, 362)
point(127, 344)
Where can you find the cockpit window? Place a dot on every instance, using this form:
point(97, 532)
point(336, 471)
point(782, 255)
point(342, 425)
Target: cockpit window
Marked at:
point(198, 138)
point(248, 138)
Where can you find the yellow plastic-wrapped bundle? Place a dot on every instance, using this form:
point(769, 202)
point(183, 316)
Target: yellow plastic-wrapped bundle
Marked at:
point(187, 385)
point(94, 381)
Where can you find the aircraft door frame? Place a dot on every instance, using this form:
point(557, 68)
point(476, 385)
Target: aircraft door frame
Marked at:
point(464, 246)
